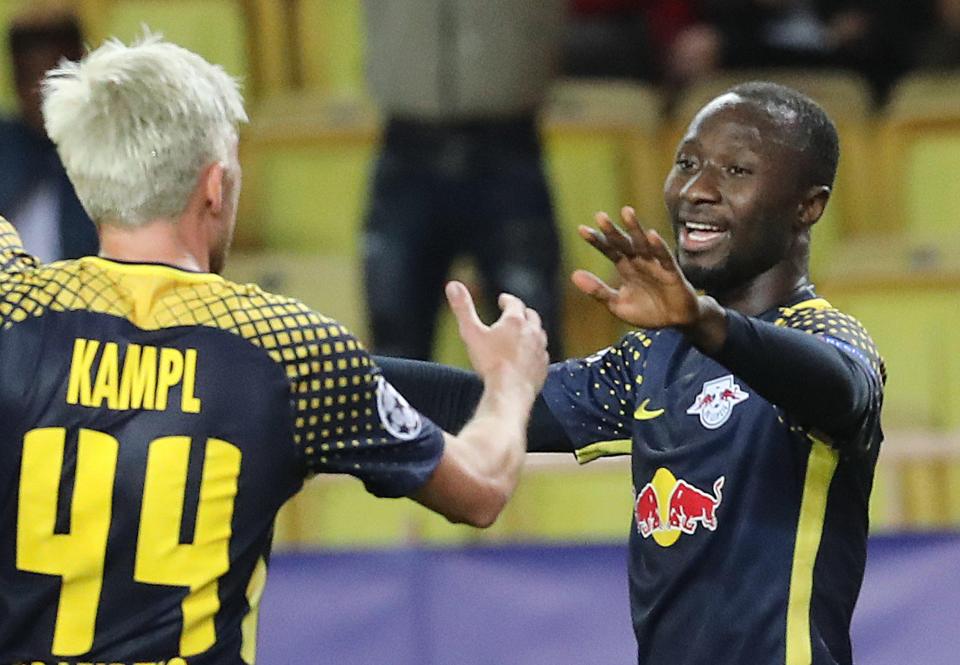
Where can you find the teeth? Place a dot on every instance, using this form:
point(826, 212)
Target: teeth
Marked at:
point(694, 226)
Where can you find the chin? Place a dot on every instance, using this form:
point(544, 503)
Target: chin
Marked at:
point(705, 276)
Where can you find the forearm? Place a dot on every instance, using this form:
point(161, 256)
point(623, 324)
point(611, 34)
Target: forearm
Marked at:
point(494, 440)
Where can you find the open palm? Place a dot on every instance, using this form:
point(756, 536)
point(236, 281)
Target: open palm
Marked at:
point(653, 291)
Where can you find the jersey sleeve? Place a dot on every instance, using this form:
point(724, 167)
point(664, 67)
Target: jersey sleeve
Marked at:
point(349, 419)
point(13, 257)
point(844, 333)
point(592, 397)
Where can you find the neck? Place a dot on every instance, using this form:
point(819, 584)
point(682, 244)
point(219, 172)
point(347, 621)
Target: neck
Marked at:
point(156, 241)
point(765, 291)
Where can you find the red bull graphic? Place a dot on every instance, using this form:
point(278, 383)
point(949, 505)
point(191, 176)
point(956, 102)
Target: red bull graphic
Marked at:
point(690, 506)
point(647, 510)
point(684, 509)
point(716, 400)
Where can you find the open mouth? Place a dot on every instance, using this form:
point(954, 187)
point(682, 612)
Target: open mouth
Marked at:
point(701, 236)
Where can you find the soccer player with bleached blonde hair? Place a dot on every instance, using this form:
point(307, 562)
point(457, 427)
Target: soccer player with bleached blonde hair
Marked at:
point(158, 416)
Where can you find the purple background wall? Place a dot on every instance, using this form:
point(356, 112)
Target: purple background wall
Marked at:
point(556, 605)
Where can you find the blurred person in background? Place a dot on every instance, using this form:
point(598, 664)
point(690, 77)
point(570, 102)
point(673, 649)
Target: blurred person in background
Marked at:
point(180, 410)
point(938, 47)
point(625, 38)
point(35, 193)
point(460, 169)
point(845, 34)
point(749, 405)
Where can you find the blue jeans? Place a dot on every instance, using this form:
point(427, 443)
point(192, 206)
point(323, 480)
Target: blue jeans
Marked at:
point(441, 191)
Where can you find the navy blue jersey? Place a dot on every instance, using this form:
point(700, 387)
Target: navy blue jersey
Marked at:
point(155, 420)
point(748, 535)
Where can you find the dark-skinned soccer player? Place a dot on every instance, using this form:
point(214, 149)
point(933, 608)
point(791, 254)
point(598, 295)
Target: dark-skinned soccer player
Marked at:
point(750, 406)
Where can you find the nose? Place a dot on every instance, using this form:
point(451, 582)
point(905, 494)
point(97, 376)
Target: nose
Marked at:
point(701, 187)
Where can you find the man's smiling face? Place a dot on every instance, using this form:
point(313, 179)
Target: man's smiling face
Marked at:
point(733, 194)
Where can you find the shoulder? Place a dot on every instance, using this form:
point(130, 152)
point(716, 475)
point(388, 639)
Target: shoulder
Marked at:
point(818, 317)
point(287, 328)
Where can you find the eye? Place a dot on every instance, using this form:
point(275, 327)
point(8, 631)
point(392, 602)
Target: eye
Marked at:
point(738, 171)
point(684, 163)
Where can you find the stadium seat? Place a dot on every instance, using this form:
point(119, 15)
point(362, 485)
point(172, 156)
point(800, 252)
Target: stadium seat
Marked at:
point(602, 152)
point(8, 10)
point(911, 316)
point(907, 299)
point(920, 150)
point(219, 30)
point(846, 97)
point(306, 164)
point(330, 41)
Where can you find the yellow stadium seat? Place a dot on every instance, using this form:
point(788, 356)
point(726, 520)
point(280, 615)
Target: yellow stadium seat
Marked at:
point(219, 30)
point(913, 317)
point(329, 38)
point(920, 150)
point(306, 165)
point(8, 10)
point(602, 152)
point(846, 97)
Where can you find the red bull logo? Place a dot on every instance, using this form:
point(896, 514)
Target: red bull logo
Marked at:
point(684, 508)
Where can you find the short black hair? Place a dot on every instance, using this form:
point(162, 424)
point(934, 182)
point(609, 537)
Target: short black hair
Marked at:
point(808, 127)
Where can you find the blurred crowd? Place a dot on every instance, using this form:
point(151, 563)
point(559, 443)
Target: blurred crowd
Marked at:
point(676, 42)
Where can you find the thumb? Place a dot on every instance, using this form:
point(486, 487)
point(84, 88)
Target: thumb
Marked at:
point(461, 304)
point(593, 286)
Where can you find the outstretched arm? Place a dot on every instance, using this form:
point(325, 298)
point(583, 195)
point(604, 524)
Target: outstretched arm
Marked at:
point(449, 396)
point(655, 294)
point(481, 464)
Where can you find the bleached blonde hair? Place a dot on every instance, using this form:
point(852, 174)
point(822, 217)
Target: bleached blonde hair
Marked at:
point(135, 126)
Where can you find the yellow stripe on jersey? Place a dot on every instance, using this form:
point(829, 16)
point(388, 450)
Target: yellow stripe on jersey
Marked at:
point(248, 629)
point(604, 449)
point(813, 507)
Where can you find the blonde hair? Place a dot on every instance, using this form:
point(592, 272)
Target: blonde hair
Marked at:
point(135, 125)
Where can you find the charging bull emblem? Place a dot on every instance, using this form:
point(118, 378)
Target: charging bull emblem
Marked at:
point(686, 507)
point(716, 400)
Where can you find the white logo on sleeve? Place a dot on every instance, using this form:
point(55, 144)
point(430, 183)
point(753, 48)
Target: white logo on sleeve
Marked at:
point(715, 402)
point(400, 419)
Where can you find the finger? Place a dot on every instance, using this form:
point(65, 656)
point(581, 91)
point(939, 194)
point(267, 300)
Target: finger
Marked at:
point(593, 286)
point(635, 232)
point(661, 251)
point(461, 304)
point(533, 317)
point(511, 306)
point(599, 242)
point(615, 237)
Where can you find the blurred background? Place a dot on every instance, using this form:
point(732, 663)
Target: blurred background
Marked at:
point(611, 87)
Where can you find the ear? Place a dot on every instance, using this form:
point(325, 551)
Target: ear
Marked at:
point(813, 204)
point(212, 187)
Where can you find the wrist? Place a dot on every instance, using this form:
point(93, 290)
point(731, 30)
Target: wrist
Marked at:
point(510, 386)
point(708, 330)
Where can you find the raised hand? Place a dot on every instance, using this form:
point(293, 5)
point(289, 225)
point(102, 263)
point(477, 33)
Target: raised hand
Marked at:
point(654, 293)
point(513, 349)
